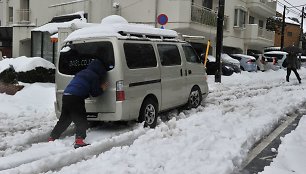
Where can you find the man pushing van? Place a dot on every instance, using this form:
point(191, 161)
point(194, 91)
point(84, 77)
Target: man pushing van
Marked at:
point(88, 82)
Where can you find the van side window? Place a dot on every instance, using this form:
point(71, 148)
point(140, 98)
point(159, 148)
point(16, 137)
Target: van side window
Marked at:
point(169, 54)
point(139, 55)
point(190, 54)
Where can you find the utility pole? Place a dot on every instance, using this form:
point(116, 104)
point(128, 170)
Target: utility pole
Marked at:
point(219, 43)
point(283, 28)
point(301, 32)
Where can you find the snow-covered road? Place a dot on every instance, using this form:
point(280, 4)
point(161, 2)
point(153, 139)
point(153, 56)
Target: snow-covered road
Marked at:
point(214, 138)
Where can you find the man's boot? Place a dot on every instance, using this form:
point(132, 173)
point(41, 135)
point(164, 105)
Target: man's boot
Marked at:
point(79, 142)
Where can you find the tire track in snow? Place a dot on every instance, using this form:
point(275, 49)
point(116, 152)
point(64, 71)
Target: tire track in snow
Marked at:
point(57, 161)
point(68, 155)
point(23, 140)
point(18, 132)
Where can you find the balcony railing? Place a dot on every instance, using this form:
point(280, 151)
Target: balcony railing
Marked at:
point(271, 4)
point(23, 16)
point(263, 33)
point(263, 7)
point(206, 16)
point(254, 32)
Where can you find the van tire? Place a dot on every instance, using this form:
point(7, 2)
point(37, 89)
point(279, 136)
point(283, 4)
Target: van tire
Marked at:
point(148, 113)
point(195, 98)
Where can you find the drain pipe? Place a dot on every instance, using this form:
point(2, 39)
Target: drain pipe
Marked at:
point(156, 13)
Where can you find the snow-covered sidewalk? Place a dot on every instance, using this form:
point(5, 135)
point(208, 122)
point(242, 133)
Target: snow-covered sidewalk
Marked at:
point(214, 138)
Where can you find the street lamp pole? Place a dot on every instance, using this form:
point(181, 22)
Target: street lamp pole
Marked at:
point(219, 40)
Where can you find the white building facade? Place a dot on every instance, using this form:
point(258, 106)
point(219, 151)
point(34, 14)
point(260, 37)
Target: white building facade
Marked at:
point(244, 25)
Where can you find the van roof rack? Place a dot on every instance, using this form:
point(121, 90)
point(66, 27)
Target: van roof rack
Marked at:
point(145, 36)
point(116, 26)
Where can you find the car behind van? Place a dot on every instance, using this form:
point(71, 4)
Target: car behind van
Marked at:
point(150, 70)
point(247, 63)
point(275, 59)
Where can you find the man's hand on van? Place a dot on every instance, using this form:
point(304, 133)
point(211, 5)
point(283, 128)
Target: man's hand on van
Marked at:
point(104, 86)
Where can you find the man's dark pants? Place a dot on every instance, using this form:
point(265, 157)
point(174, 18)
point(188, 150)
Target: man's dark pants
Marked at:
point(295, 72)
point(73, 110)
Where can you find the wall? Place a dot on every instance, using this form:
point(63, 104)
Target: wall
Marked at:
point(233, 37)
point(21, 41)
point(1, 13)
point(288, 40)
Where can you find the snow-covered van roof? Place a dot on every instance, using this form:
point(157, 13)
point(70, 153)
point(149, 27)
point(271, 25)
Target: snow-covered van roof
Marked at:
point(117, 26)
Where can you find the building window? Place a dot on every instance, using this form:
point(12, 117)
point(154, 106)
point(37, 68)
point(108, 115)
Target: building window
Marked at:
point(289, 34)
point(251, 20)
point(10, 14)
point(261, 24)
point(207, 3)
point(239, 20)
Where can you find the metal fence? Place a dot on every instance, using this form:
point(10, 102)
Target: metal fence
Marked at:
point(23, 16)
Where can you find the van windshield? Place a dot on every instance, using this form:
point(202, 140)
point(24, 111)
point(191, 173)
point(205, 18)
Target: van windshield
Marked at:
point(76, 57)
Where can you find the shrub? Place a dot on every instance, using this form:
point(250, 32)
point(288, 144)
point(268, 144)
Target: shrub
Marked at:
point(39, 74)
point(9, 76)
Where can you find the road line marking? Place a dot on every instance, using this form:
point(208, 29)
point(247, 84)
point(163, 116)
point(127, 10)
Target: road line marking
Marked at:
point(265, 142)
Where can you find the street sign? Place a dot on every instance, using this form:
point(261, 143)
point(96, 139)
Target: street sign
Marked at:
point(162, 19)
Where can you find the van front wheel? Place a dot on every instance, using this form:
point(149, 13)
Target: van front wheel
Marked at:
point(148, 113)
point(195, 97)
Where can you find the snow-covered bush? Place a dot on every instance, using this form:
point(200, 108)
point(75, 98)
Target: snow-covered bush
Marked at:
point(27, 70)
point(39, 74)
point(9, 76)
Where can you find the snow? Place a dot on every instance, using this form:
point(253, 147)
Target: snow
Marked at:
point(291, 153)
point(245, 56)
point(111, 25)
point(214, 138)
point(52, 28)
point(290, 21)
point(227, 58)
point(23, 64)
point(276, 52)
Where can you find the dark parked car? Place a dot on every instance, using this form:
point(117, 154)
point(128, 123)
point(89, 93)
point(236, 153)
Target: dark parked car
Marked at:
point(211, 67)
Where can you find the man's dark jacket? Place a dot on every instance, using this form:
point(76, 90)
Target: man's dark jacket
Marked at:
point(88, 81)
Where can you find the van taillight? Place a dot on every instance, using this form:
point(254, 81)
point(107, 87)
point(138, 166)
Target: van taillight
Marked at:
point(205, 77)
point(120, 95)
point(274, 60)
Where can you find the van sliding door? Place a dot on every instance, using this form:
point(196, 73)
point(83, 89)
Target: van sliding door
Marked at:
point(172, 76)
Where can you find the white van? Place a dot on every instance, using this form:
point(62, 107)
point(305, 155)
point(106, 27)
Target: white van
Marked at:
point(150, 70)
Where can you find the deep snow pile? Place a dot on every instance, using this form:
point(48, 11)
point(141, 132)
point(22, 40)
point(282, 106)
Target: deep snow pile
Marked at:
point(214, 138)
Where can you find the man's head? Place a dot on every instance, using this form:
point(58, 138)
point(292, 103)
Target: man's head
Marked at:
point(104, 55)
point(97, 66)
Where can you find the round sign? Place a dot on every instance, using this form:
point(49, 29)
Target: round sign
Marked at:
point(162, 19)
